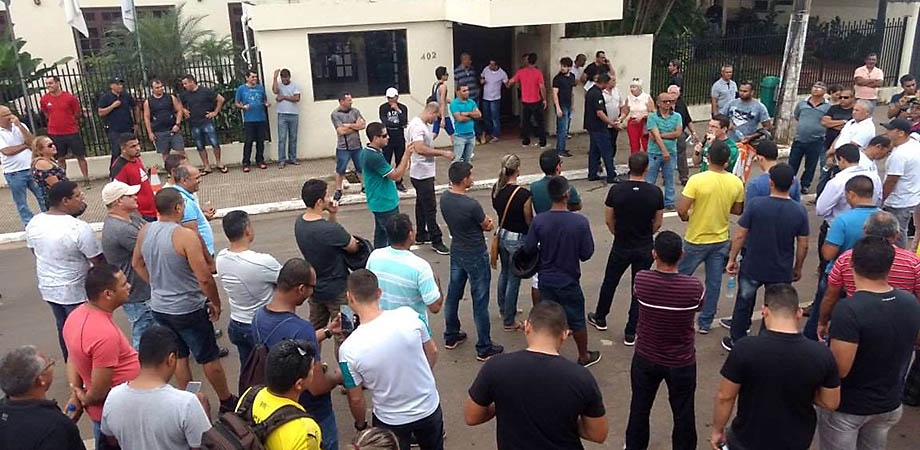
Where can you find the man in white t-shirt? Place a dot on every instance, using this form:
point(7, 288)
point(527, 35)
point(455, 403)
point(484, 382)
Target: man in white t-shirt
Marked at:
point(901, 191)
point(249, 278)
point(421, 174)
point(860, 129)
point(64, 248)
point(493, 78)
point(391, 355)
point(16, 159)
point(405, 278)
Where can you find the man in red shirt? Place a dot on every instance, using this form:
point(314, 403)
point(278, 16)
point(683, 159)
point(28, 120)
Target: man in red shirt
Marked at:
point(533, 100)
point(100, 355)
point(63, 112)
point(129, 169)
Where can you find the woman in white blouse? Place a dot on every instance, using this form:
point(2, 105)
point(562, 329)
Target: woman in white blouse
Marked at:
point(639, 105)
point(616, 110)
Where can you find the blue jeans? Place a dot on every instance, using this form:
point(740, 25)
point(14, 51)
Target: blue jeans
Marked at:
point(463, 147)
point(811, 325)
point(744, 306)
point(492, 110)
point(240, 335)
point(205, 131)
point(20, 182)
point(714, 256)
point(97, 434)
point(812, 152)
point(656, 164)
point(509, 285)
point(600, 148)
point(141, 319)
point(60, 316)
point(562, 128)
point(381, 239)
point(287, 136)
point(472, 266)
point(330, 431)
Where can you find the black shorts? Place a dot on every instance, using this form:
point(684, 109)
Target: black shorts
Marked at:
point(68, 144)
point(196, 334)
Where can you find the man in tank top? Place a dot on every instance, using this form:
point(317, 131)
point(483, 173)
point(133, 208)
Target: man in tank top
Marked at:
point(163, 115)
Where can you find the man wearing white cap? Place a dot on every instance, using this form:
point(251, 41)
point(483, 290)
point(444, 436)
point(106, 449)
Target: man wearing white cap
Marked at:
point(119, 236)
point(395, 116)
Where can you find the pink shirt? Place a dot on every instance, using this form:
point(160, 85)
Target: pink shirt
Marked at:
point(531, 79)
point(865, 92)
point(94, 341)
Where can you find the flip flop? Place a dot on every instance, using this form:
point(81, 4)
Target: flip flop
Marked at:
point(223, 169)
point(205, 171)
point(246, 169)
point(263, 166)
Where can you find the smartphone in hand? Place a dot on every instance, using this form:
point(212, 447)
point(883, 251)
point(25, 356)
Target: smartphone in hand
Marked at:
point(348, 321)
point(193, 386)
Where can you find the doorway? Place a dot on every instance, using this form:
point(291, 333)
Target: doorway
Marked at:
point(485, 44)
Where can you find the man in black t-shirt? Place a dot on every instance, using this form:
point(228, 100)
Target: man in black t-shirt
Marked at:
point(873, 334)
point(563, 83)
point(118, 108)
point(838, 115)
point(599, 66)
point(596, 122)
point(633, 213)
point(200, 106)
point(395, 116)
point(534, 412)
point(776, 376)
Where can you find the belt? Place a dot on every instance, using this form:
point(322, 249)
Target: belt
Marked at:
point(511, 235)
point(16, 171)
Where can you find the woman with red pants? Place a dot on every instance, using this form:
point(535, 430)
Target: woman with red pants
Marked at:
point(640, 104)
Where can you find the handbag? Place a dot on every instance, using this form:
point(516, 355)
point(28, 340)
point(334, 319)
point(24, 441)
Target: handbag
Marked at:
point(493, 246)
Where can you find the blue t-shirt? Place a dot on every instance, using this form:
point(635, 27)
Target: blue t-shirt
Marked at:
point(565, 241)
point(270, 328)
point(773, 226)
point(254, 97)
point(664, 125)
point(847, 228)
point(194, 213)
point(466, 128)
point(759, 186)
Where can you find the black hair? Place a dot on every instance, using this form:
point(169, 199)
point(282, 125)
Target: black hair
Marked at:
point(166, 200)
point(549, 161)
point(906, 78)
point(747, 83)
point(53, 77)
point(781, 298)
point(638, 163)
point(312, 191)
point(234, 224)
point(343, 95)
point(549, 317)
point(374, 129)
point(724, 121)
point(603, 78)
point(155, 80)
point(669, 247)
point(458, 171)
point(363, 285)
point(100, 278)
point(172, 161)
point(767, 149)
point(61, 191)
point(599, 53)
point(872, 257)
point(676, 63)
point(719, 153)
point(531, 58)
point(860, 185)
point(566, 62)
point(398, 227)
point(849, 153)
point(189, 77)
point(558, 187)
point(156, 344)
point(288, 361)
point(834, 88)
point(782, 175)
point(882, 140)
point(440, 72)
point(124, 138)
point(294, 272)
point(285, 73)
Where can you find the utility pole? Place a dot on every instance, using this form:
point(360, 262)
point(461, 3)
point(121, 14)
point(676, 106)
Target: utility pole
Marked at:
point(22, 77)
point(792, 68)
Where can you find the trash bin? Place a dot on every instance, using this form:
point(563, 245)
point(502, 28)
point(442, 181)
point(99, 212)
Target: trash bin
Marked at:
point(768, 87)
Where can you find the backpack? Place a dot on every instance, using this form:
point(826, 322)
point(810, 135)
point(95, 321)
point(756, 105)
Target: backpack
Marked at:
point(252, 373)
point(238, 431)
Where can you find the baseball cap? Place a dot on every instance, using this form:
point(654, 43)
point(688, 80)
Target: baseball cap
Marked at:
point(819, 84)
point(116, 79)
point(898, 124)
point(392, 92)
point(116, 190)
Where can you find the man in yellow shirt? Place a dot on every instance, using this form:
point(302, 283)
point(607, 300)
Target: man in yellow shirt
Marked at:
point(290, 365)
point(712, 195)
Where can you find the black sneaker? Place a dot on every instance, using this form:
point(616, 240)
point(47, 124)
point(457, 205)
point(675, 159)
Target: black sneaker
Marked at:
point(422, 240)
point(451, 344)
point(629, 340)
point(492, 351)
point(727, 343)
point(566, 154)
point(229, 404)
point(597, 322)
point(223, 352)
point(726, 323)
point(806, 311)
point(440, 248)
point(401, 187)
point(218, 333)
point(804, 190)
point(337, 196)
point(593, 358)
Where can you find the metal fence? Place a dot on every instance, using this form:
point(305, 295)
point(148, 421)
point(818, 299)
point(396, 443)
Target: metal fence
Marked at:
point(833, 50)
point(88, 81)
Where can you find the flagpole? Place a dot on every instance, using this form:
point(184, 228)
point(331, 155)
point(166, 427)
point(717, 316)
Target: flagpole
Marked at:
point(22, 78)
point(137, 37)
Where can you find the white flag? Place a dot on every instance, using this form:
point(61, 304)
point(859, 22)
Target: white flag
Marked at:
point(128, 15)
point(73, 15)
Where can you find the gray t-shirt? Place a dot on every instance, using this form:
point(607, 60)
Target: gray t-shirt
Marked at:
point(464, 216)
point(164, 418)
point(118, 240)
point(285, 106)
point(249, 278)
point(350, 141)
point(723, 92)
point(808, 121)
point(745, 116)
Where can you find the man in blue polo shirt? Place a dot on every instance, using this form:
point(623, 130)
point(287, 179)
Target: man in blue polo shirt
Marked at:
point(251, 98)
point(380, 180)
point(464, 112)
point(665, 127)
point(188, 180)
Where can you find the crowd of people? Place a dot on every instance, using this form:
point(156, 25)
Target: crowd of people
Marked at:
point(843, 379)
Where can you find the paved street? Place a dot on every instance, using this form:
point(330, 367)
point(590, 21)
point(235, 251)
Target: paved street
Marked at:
point(24, 319)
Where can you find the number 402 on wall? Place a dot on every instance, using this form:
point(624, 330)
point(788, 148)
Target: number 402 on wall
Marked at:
point(428, 56)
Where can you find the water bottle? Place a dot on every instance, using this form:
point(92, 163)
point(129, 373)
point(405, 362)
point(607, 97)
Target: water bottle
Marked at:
point(730, 287)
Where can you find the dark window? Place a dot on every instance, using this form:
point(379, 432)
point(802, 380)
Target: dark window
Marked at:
point(364, 64)
point(235, 10)
point(4, 29)
point(100, 20)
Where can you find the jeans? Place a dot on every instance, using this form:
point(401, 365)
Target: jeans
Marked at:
point(532, 116)
point(842, 431)
point(97, 434)
point(562, 128)
point(428, 432)
point(141, 319)
point(287, 136)
point(472, 266)
point(381, 239)
point(20, 182)
point(253, 132)
point(492, 110)
point(330, 431)
point(645, 378)
point(572, 300)
point(744, 306)
point(714, 256)
point(600, 148)
point(202, 132)
point(812, 152)
point(240, 335)
point(60, 316)
point(426, 211)
point(811, 325)
point(656, 163)
point(509, 284)
point(619, 260)
point(903, 215)
point(463, 147)
point(683, 169)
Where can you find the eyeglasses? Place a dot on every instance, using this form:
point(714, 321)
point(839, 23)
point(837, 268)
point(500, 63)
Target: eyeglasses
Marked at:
point(384, 135)
point(667, 101)
point(48, 365)
point(845, 97)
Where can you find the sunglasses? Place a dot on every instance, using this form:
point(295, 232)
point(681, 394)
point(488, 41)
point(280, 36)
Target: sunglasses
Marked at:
point(845, 97)
point(49, 365)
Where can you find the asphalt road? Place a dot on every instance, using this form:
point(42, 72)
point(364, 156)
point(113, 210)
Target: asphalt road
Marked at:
point(25, 319)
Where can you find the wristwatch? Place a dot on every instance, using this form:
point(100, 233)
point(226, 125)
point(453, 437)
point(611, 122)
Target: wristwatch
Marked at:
point(327, 333)
point(362, 427)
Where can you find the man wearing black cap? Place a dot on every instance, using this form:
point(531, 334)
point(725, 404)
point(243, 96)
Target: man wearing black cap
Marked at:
point(901, 190)
point(118, 108)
